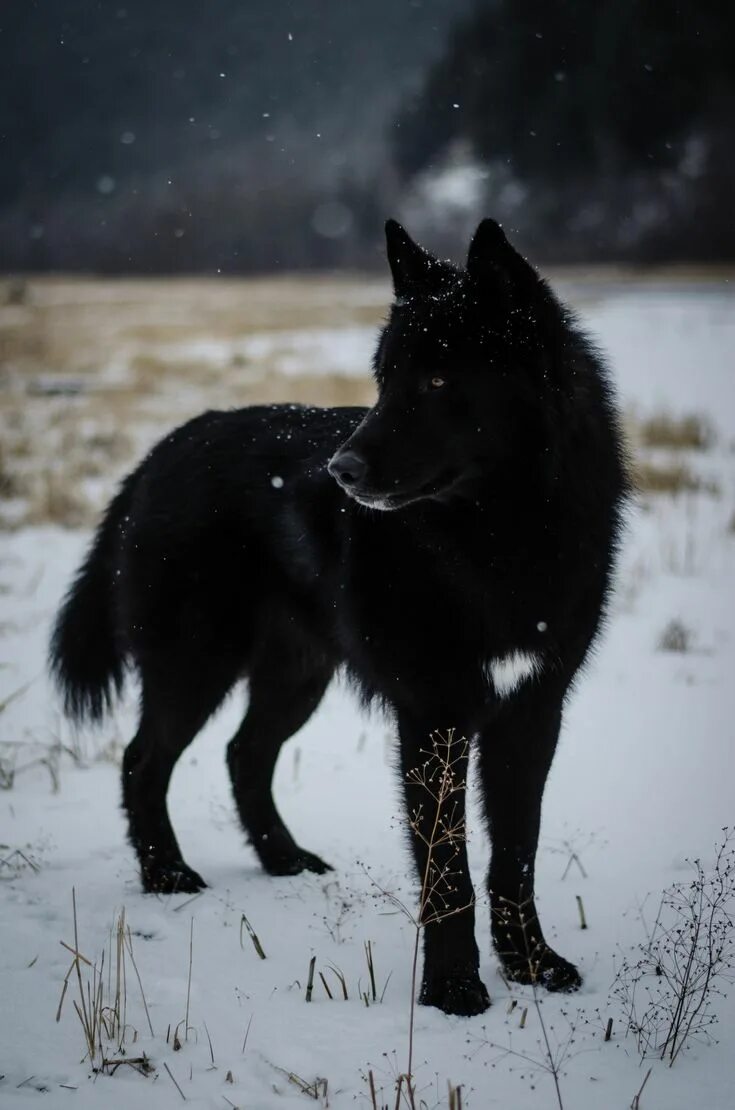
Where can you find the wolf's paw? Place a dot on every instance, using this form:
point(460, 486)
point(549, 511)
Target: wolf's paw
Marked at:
point(551, 971)
point(296, 862)
point(173, 877)
point(464, 994)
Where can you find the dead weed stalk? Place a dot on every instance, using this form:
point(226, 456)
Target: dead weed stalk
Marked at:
point(439, 824)
point(668, 986)
point(101, 1002)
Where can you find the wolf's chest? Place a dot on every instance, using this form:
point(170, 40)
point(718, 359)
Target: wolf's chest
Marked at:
point(507, 673)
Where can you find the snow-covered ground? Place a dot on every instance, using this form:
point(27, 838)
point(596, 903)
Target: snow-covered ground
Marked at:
point(643, 780)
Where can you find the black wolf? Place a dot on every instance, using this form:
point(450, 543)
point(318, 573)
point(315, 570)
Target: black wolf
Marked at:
point(451, 548)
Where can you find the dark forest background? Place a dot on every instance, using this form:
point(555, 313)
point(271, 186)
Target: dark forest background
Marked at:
point(257, 135)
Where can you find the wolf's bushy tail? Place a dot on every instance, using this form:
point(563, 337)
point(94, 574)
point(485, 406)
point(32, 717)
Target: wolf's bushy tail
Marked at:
point(85, 656)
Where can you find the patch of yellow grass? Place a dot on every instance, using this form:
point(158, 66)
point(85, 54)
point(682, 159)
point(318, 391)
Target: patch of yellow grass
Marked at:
point(669, 477)
point(55, 497)
point(676, 637)
point(657, 448)
point(93, 372)
point(686, 433)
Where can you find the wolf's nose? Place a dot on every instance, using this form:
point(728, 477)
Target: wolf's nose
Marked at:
point(348, 468)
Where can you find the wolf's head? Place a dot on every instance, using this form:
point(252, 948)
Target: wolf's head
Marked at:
point(466, 368)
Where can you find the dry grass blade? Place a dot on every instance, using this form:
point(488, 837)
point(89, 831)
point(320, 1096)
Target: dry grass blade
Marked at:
point(245, 924)
point(305, 1087)
point(373, 1094)
point(75, 954)
point(310, 979)
point(341, 980)
point(209, 1042)
point(371, 969)
point(455, 1097)
point(247, 1034)
point(635, 1104)
point(580, 908)
point(86, 1015)
point(140, 985)
point(173, 1080)
point(188, 902)
point(188, 981)
point(574, 858)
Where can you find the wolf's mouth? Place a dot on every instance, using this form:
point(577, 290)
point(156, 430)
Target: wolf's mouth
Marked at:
point(437, 490)
point(382, 502)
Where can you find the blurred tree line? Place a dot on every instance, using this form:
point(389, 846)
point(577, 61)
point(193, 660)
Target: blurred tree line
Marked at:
point(242, 135)
point(157, 135)
point(605, 129)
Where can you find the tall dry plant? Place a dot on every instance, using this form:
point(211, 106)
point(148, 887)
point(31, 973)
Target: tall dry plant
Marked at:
point(668, 986)
point(439, 822)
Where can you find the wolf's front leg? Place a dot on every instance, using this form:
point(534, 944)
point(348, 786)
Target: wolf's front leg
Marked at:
point(434, 762)
point(515, 757)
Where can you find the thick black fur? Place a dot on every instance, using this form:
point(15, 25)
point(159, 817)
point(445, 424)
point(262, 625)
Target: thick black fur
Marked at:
point(471, 514)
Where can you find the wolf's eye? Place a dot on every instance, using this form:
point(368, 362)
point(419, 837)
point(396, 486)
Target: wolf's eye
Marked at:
point(437, 382)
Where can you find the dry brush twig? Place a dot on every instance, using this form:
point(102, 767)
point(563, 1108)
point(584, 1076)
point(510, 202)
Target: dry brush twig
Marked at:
point(667, 987)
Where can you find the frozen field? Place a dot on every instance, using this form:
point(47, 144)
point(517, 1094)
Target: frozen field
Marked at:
point(644, 779)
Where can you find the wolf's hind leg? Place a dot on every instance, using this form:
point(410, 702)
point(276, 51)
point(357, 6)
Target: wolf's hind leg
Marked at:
point(172, 713)
point(286, 686)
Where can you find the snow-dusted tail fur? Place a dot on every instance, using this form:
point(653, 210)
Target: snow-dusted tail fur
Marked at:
point(85, 657)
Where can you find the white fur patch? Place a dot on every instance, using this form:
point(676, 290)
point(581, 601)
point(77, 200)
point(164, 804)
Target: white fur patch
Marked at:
point(510, 671)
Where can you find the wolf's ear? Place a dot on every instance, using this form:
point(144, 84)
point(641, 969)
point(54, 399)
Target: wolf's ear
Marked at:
point(491, 255)
point(409, 263)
